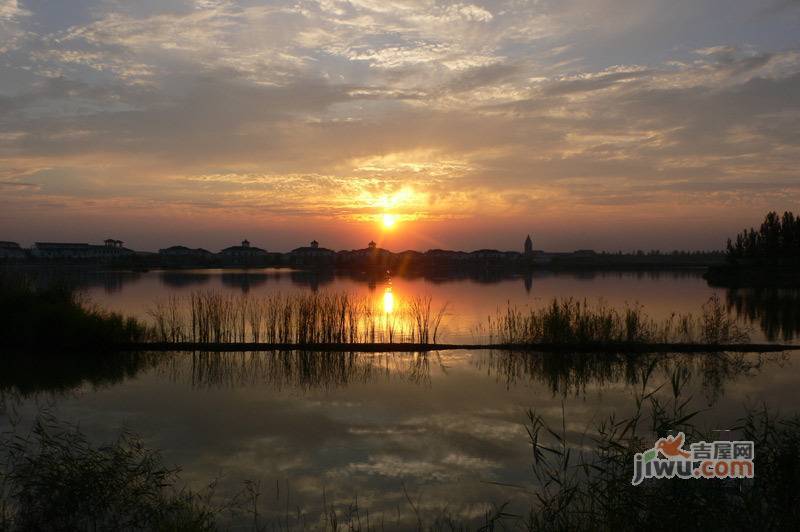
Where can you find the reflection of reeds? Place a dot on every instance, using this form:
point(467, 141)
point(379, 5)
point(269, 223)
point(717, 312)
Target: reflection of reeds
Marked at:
point(572, 321)
point(301, 319)
point(298, 369)
point(574, 373)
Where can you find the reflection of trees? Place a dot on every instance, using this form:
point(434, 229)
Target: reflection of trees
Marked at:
point(567, 374)
point(777, 310)
point(301, 370)
point(27, 374)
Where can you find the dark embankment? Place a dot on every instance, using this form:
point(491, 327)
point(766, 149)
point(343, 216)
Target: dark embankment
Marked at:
point(52, 316)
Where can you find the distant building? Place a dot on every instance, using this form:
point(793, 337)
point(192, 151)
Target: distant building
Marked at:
point(487, 254)
point(371, 256)
point(311, 253)
point(245, 250)
point(183, 251)
point(11, 250)
point(528, 246)
point(445, 255)
point(72, 250)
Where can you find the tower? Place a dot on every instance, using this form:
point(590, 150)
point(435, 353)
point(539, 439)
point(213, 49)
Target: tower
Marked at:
point(528, 246)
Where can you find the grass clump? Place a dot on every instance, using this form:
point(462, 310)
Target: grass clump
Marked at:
point(586, 485)
point(53, 316)
point(54, 479)
point(211, 317)
point(574, 321)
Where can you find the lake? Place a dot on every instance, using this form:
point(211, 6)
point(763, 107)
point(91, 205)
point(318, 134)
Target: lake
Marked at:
point(770, 314)
point(444, 433)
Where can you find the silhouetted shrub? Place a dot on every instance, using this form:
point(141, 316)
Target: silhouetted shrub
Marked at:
point(54, 479)
point(52, 315)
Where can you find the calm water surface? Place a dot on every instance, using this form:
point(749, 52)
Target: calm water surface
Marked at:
point(446, 429)
point(773, 315)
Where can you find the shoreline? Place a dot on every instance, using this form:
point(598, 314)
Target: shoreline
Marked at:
point(405, 347)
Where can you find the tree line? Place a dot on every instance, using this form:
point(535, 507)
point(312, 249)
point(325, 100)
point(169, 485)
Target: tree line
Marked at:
point(778, 237)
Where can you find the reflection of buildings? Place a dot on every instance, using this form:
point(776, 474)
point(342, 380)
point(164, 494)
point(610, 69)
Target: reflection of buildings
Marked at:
point(178, 279)
point(312, 279)
point(528, 276)
point(244, 281)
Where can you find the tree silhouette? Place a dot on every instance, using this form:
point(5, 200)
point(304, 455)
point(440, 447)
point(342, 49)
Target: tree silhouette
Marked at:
point(778, 238)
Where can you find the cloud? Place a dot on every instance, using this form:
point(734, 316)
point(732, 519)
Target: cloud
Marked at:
point(317, 108)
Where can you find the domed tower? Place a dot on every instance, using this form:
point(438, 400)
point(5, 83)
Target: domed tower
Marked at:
point(528, 246)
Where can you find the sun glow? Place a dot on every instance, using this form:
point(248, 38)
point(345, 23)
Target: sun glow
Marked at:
point(389, 220)
point(388, 301)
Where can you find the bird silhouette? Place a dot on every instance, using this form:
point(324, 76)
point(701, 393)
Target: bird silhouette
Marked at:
point(670, 446)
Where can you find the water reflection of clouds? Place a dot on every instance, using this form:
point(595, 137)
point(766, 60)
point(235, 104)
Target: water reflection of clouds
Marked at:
point(370, 436)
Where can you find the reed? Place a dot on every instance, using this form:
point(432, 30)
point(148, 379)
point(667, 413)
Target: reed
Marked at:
point(53, 478)
point(300, 318)
point(585, 484)
point(574, 321)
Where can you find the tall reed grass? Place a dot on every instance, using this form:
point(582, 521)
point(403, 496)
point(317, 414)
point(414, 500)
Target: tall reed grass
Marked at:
point(301, 319)
point(53, 478)
point(575, 321)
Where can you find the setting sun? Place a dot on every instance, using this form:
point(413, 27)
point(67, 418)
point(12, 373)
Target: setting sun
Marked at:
point(389, 221)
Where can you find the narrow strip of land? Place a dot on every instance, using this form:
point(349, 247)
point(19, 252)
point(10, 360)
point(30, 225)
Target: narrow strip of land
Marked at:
point(627, 347)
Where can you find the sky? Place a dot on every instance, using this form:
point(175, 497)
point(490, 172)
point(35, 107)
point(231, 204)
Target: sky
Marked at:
point(604, 124)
